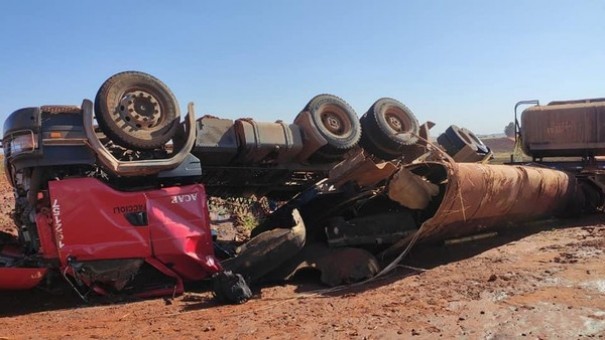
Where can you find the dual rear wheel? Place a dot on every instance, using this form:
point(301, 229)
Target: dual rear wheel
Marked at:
point(454, 139)
point(389, 128)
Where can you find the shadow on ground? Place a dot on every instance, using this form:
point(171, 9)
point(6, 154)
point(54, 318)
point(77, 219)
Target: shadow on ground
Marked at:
point(428, 256)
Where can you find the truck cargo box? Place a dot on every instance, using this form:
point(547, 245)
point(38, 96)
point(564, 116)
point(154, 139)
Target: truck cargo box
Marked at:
point(267, 142)
point(216, 142)
point(564, 129)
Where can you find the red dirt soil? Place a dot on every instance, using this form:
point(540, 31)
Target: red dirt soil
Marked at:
point(497, 145)
point(542, 281)
point(6, 206)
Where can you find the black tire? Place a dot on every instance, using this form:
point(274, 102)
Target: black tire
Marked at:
point(268, 250)
point(446, 144)
point(455, 138)
point(389, 127)
point(375, 149)
point(137, 110)
point(452, 140)
point(481, 147)
point(337, 122)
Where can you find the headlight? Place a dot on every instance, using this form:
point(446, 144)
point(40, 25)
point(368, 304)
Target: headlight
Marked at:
point(20, 142)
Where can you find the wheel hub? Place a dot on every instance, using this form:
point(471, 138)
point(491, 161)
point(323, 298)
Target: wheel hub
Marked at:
point(140, 109)
point(333, 122)
point(394, 123)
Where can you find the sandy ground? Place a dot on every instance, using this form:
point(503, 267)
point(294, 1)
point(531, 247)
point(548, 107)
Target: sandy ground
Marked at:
point(537, 281)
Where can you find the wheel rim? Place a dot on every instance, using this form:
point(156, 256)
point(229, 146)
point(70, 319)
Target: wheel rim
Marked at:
point(140, 110)
point(397, 120)
point(394, 122)
point(335, 120)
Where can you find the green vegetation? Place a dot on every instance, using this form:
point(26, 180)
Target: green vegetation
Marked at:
point(246, 212)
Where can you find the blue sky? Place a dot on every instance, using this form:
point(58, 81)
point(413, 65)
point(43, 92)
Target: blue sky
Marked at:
point(452, 62)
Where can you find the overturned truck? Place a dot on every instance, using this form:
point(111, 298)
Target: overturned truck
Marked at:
point(121, 207)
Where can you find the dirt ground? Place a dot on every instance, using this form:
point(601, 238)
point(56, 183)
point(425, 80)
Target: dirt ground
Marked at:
point(497, 145)
point(538, 281)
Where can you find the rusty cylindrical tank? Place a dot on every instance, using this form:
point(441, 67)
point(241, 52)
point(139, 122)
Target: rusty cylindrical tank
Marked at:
point(475, 197)
point(564, 129)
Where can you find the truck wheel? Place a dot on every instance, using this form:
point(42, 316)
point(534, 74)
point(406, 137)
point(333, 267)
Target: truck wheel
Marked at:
point(337, 122)
point(480, 146)
point(455, 138)
point(137, 110)
point(388, 127)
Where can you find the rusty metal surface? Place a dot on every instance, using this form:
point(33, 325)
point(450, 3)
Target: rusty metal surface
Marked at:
point(365, 171)
point(312, 139)
point(361, 170)
point(475, 198)
point(567, 129)
point(478, 196)
point(468, 155)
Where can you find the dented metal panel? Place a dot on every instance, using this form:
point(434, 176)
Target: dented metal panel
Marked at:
point(101, 233)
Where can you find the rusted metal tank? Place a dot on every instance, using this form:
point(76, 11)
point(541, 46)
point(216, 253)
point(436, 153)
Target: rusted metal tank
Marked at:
point(573, 128)
point(476, 197)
